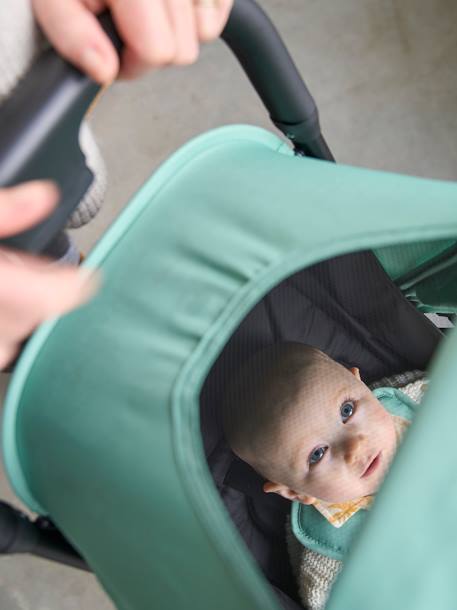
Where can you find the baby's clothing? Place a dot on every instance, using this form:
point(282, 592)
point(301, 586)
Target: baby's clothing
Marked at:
point(317, 557)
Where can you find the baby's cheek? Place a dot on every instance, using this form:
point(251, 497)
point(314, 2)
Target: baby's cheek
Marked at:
point(389, 437)
point(382, 420)
point(326, 481)
point(313, 483)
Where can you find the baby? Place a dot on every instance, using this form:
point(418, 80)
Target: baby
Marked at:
point(314, 431)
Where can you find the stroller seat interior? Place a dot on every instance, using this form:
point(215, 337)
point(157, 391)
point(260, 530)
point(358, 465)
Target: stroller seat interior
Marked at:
point(112, 422)
point(357, 318)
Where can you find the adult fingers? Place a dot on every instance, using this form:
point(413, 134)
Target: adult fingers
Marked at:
point(155, 32)
point(211, 17)
point(32, 291)
point(183, 33)
point(7, 354)
point(25, 205)
point(74, 31)
point(43, 290)
point(147, 32)
point(182, 17)
point(132, 65)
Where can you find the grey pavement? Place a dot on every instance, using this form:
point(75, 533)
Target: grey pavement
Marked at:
point(384, 75)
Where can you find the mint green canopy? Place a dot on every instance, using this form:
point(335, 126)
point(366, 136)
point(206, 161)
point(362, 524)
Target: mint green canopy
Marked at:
point(102, 417)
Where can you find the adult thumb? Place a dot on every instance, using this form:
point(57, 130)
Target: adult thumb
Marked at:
point(25, 205)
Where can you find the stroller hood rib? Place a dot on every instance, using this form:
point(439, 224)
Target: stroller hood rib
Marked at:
point(102, 417)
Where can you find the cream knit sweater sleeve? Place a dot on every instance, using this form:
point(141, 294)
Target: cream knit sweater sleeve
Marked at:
point(20, 42)
point(314, 573)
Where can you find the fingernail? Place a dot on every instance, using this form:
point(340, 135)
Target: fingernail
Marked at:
point(35, 188)
point(50, 193)
point(95, 65)
point(34, 195)
point(51, 189)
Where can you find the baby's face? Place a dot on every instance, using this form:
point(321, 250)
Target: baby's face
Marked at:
point(340, 441)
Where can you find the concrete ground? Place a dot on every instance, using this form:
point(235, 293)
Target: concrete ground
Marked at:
point(384, 75)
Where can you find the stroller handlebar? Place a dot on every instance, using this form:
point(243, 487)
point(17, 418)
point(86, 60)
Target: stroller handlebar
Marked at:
point(39, 137)
point(256, 43)
point(42, 117)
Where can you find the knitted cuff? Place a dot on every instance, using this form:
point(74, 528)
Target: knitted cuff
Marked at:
point(399, 380)
point(94, 197)
point(315, 573)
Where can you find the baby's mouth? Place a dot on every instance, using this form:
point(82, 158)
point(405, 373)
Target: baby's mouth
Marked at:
point(372, 465)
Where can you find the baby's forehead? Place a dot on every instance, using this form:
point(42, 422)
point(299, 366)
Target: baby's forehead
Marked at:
point(324, 378)
point(320, 400)
point(322, 365)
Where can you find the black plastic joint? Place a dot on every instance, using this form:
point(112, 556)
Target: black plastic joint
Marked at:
point(16, 530)
point(305, 132)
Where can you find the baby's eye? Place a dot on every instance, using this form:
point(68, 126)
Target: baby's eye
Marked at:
point(316, 455)
point(347, 409)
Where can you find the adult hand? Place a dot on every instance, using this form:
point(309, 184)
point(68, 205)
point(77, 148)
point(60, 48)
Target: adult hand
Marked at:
point(155, 32)
point(32, 289)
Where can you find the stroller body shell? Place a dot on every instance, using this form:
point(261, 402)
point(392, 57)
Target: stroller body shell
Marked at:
point(102, 418)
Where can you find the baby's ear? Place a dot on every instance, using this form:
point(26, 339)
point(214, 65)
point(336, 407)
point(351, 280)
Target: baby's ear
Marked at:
point(269, 487)
point(306, 499)
point(355, 371)
point(286, 492)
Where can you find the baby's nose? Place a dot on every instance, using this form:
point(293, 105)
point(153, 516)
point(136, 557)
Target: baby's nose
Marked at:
point(353, 447)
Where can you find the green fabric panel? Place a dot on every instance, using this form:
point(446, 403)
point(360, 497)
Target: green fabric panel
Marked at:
point(444, 261)
point(427, 280)
point(102, 425)
point(396, 402)
point(398, 260)
point(312, 529)
point(438, 292)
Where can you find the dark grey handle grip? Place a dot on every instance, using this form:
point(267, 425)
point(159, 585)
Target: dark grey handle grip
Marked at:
point(258, 47)
point(40, 122)
point(39, 129)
